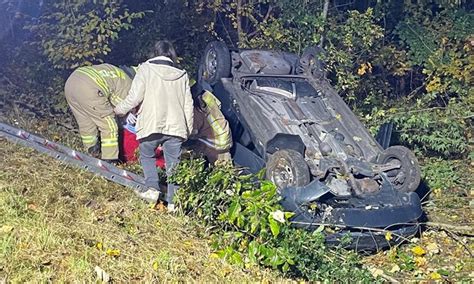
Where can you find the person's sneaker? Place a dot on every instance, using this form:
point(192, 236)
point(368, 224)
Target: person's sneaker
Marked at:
point(150, 195)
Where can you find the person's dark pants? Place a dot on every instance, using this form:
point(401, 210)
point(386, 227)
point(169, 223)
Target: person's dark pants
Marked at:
point(172, 153)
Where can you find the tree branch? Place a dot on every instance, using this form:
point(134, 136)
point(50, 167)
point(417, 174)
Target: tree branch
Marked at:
point(463, 230)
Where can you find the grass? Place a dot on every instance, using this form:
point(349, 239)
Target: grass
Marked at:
point(58, 223)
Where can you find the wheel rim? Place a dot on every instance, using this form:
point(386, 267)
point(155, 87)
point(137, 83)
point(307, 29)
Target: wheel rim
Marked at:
point(211, 62)
point(283, 175)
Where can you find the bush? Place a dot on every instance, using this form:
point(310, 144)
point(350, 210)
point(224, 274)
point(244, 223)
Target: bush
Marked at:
point(248, 226)
point(73, 33)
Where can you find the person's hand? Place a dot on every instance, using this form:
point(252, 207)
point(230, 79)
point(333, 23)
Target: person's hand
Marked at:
point(131, 119)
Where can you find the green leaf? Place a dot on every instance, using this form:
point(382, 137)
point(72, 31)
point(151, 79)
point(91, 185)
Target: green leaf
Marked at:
point(234, 210)
point(274, 226)
point(253, 251)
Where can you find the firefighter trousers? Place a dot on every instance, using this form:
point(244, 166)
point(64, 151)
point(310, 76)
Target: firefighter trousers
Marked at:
point(94, 115)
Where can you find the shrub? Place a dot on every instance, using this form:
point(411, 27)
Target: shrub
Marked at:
point(248, 226)
point(72, 33)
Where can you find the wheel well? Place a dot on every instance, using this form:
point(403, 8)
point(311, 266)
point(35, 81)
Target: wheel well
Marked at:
point(285, 141)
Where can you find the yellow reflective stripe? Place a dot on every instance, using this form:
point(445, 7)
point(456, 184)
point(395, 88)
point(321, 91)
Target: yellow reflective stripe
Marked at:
point(89, 140)
point(210, 99)
point(112, 126)
point(120, 73)
point(109, 142)
point(114, 73)
point(96, 77)
point(221, 135)
point(88, 137)
point(115, 99)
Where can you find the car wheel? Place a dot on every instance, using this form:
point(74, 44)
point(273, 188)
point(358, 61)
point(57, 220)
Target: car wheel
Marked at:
point(215, 63)
point(287, 168)
point(407, 177)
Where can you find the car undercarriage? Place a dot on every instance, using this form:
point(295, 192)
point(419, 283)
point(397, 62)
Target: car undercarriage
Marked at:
point(286, 118)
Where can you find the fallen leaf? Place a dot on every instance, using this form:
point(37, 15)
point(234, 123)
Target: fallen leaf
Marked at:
point(113, 252)
point(414, 240)
point(226, 271)
point(376, 272)
point(160, 207)
point(435, 276)
point(102, 275)
point(420, 261)
point(361, 71)
point(395, 269)
point(432, 248)
point(155, 265)
point(99, 245)
point(418, 251)
point(32, 207)
point(388, 236)
point(6, 229)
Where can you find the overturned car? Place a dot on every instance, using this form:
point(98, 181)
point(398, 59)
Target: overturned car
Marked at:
point(287, 118)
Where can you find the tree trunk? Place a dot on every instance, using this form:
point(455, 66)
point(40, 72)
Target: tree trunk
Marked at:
point(239, 22)
point(324, 15)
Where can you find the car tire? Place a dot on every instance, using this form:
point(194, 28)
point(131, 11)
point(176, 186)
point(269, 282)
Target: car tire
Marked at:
point(408, 177)
point(215, 63)
point(287, 168)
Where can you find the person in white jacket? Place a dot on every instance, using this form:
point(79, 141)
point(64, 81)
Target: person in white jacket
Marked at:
point(165, 116)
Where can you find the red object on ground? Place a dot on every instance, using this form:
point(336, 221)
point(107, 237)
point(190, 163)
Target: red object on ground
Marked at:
point(130, 147)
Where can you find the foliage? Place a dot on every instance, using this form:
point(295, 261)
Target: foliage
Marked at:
point(228, 202)
point(351, 48)
point(439, 120)
point(73, 33)
point(248, 226)
point(440, 174)
point(176, 21)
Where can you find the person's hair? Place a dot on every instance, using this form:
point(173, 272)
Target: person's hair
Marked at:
point(164, 48)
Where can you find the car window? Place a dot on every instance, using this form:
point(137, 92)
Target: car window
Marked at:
point(286, 87)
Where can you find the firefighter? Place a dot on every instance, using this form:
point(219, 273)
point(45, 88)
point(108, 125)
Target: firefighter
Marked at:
point(92, 92)
point(211, 134)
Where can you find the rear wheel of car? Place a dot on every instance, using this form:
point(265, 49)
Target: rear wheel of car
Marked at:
point(216, 62)
point(407, 177)
point(287, 168)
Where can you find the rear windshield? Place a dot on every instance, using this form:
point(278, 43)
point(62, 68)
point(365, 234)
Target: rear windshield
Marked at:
point(287, 87)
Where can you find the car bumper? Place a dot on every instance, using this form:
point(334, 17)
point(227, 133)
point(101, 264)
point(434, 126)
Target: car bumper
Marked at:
point(366, 219)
